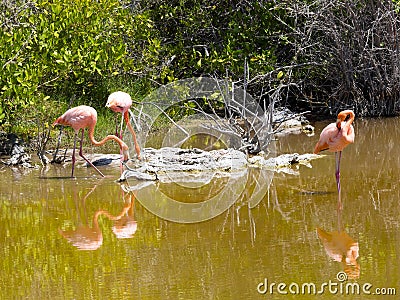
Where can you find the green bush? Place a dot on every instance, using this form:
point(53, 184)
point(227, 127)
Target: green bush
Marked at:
point(54, 54)
point(54, 51)
point(213, 38)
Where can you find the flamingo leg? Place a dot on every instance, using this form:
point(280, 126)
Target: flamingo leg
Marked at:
point(116, 127)
point(73, 154)
point(88, 161)
point(338, 156)
point(128, 123)
point(120, 150)
point(121, 127)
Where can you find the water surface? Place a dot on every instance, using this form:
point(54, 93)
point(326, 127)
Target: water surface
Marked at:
point(234, 255)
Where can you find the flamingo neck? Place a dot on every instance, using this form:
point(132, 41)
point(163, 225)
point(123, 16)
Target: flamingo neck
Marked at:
point(106, 214)
point(342, 117)
point(350, 121)
point(107, 138)
point(96, 225)
point(128, 123)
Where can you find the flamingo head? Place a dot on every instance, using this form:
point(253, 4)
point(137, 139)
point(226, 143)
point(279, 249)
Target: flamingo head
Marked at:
point(119, 102)
point(124, 150)
point(344, 117)
point(125, 153)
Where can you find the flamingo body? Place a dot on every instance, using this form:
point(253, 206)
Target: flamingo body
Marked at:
point(336, 136)
point(79, 118)
point(120, 102)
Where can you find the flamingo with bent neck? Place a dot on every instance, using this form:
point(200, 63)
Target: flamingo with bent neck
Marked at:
point(120, 102)
point(79, 118)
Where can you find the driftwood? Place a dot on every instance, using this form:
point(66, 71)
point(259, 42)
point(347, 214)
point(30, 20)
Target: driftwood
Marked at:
point(195, 165)
point(218, 109)
point(11, 145)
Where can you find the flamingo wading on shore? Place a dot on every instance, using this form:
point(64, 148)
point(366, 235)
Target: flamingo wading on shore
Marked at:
point(120, 102)
point(334, 138)
point(79, 118)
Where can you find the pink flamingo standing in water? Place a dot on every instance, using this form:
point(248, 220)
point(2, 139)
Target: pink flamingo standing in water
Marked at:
point(335, 137)
point(79, 118)
point(120, 102)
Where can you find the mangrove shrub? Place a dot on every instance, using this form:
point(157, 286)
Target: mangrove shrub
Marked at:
point(323, 55)
point(61, 50)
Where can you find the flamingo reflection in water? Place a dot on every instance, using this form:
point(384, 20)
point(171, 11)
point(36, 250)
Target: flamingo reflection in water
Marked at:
point(125, 226)
point(85, 237)
point(341, 248)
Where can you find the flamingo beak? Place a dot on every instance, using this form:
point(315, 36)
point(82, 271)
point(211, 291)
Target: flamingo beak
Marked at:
point(339, 124)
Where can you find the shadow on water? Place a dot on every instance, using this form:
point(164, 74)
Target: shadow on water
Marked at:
point(258, 228)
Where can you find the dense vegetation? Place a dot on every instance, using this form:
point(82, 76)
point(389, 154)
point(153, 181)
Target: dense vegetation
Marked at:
point(327, 54)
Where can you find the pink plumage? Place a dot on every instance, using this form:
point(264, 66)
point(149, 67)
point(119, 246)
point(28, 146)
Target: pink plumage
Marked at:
point(121, 102)
point(79, 118)
point(336, 136)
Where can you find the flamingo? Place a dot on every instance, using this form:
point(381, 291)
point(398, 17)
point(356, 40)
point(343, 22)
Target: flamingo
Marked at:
point(334, 138)
point(120, 102)
point(79, 118)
